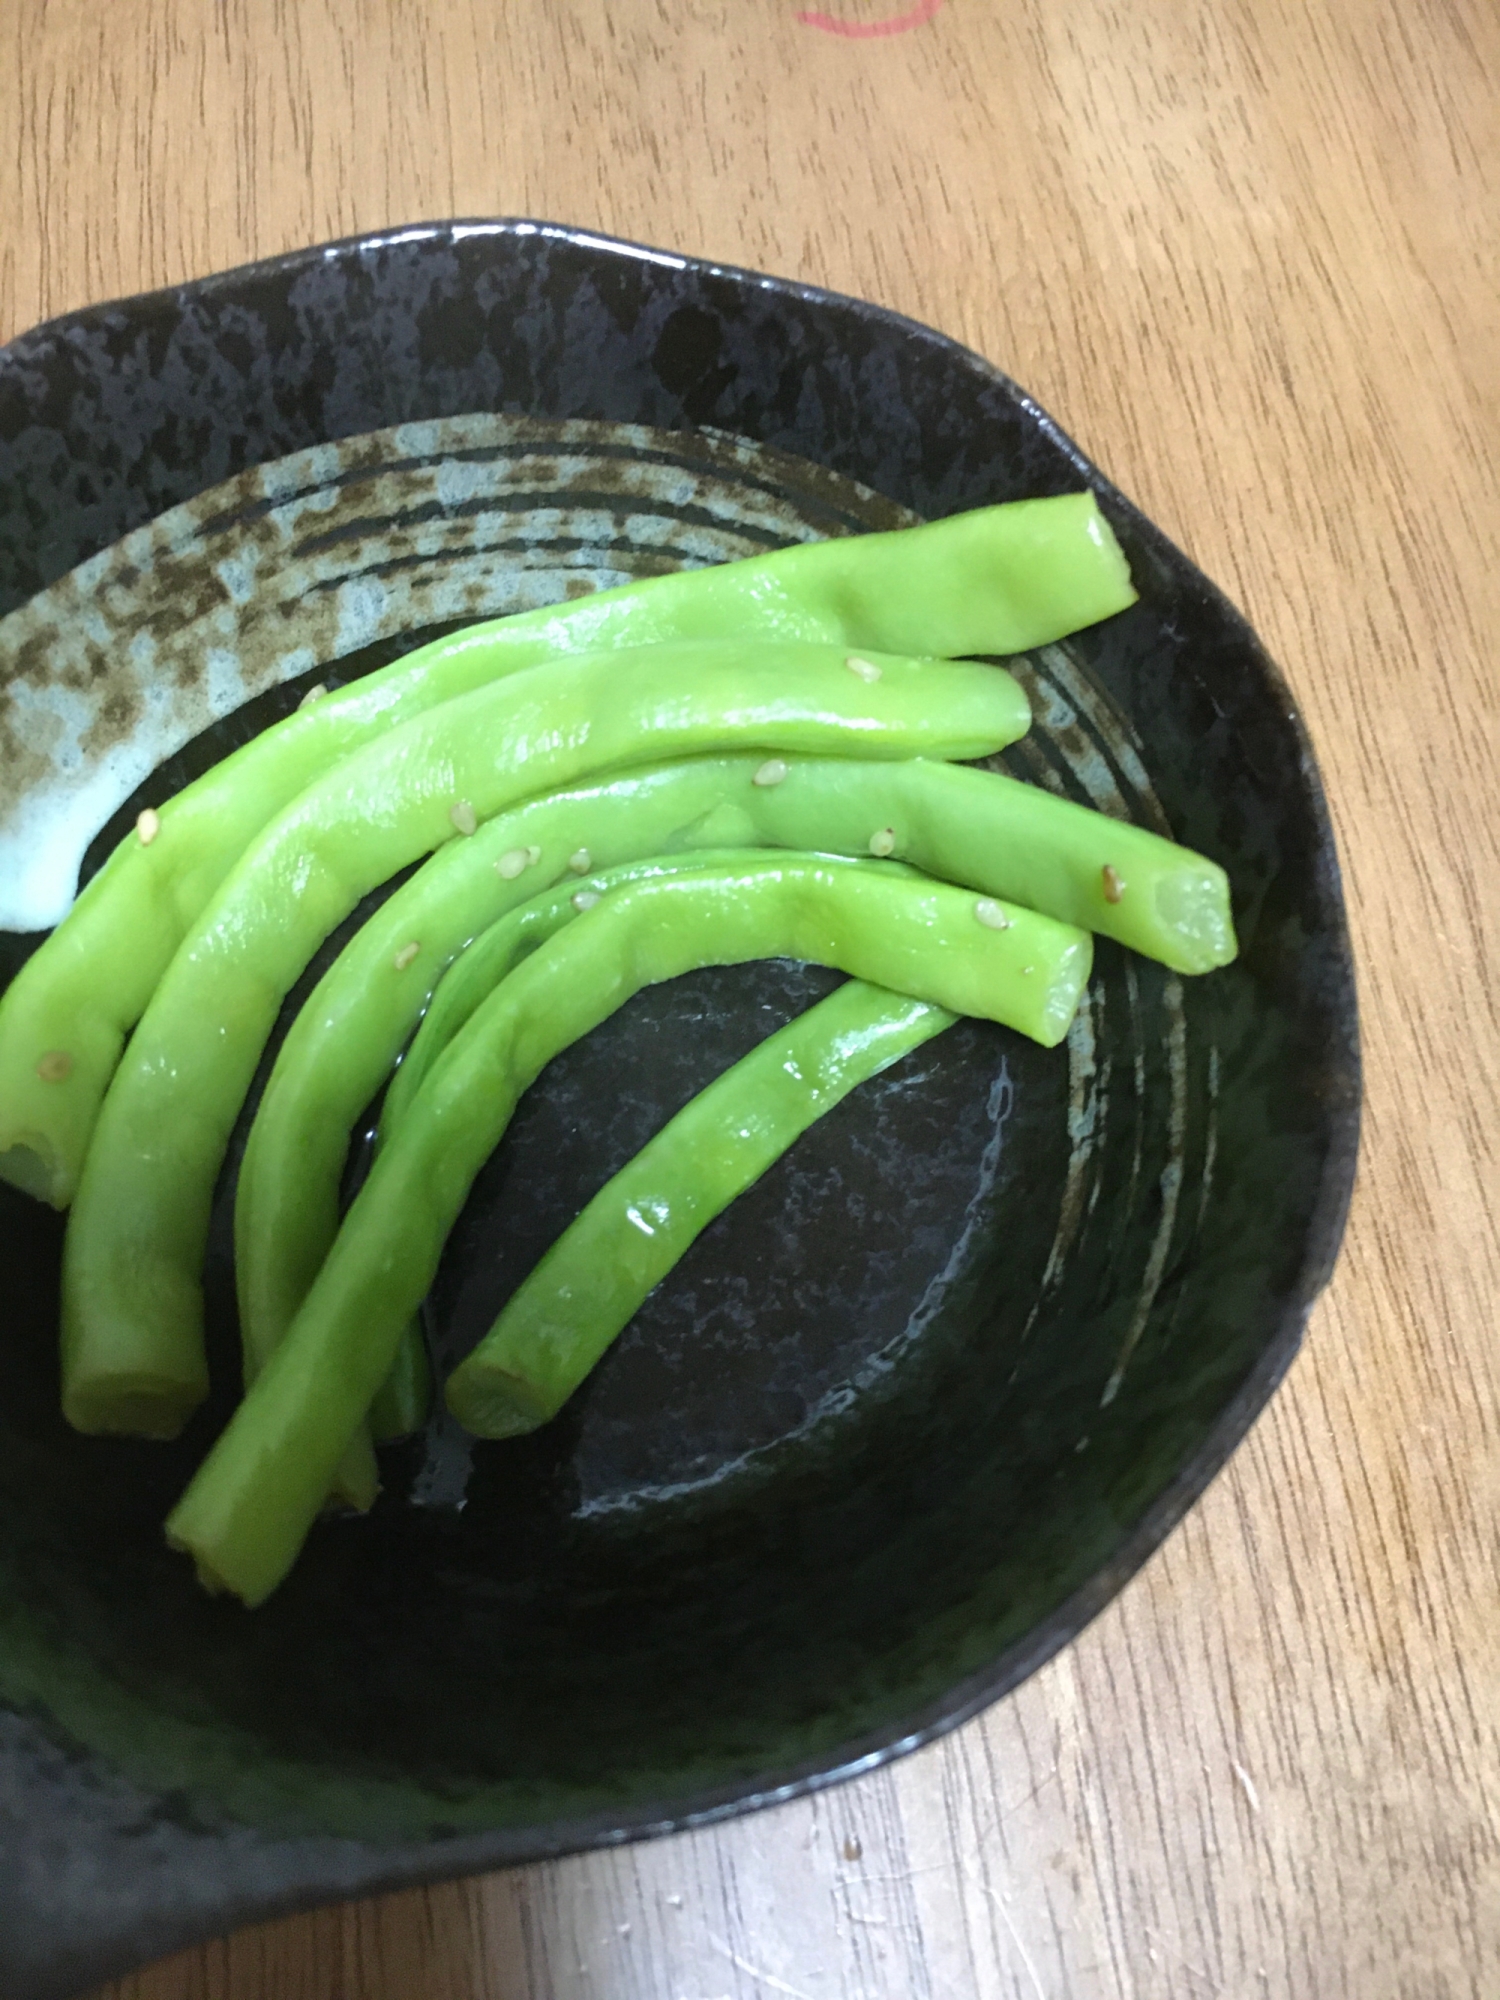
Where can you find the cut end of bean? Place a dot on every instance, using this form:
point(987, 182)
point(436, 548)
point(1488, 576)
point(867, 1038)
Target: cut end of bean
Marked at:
point(464, 818)
point(1114, 888)
point(883, 843)
point(56, 1066)
point(141, 1406)
point(581, 861)
point(1194, 905)
point(771, 772)
point(585, 899)
point(209, 1578)
point(865, 670)
point(992, 916)
point(315, 693)
point(406, 956)
point(36, 1169)
point(356, 1484)
point(492, 1403)
point(148, 826)
point(513, 862)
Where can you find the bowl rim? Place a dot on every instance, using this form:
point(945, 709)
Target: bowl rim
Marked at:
point(410, 1863)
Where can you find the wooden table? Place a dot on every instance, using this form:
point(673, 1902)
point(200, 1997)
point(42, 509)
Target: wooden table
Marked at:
point(1246, 250)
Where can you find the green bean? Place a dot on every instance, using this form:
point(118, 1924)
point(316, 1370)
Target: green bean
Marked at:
point(132, 1312)
point(403, 1401)
point(595, 1278)
point(249, 1508)
point(999, 580)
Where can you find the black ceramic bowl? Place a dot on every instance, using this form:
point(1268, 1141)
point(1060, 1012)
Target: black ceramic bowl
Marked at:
point(910, 1413)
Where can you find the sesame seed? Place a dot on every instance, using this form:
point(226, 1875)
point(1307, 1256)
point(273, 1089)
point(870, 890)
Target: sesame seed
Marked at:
point(314, 693)
point(771, 772)
point(148, 826)
point(406, 955)
point(1114, 888)
point(533, 856)
point(513, 862)
point(991, 915)
point(585, 899)
point(580, 861)
point(464, 817)
point(865, 669)
point(883, 843)
point(56, 1066)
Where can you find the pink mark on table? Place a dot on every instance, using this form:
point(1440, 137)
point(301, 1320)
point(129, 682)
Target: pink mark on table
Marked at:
point(861, 31)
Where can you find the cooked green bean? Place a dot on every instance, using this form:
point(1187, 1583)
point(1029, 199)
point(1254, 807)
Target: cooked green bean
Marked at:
point(132, 1310)
point(246, 1513)
point(999, 580)
point(594, 1279)
point(403, 1401)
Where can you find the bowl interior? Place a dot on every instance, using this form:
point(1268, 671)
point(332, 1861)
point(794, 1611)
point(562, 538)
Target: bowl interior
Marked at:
point(917, 1403)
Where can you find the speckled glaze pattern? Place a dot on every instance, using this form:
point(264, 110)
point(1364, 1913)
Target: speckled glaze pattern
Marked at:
point(293, 566)
point(907, 1415)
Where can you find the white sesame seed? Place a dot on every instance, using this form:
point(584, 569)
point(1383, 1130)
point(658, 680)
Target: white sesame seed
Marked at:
point(405, 956)
point(991, 915)
point(314, 693)
point(513, 862)
point(580, 861)
point(56, 1066)
point(771, 772)
point(464, 817)
point(585, 899)
point(865, 669)
point(533, 856)
point(148, 826)
point(1114, 888)
point(883, 843)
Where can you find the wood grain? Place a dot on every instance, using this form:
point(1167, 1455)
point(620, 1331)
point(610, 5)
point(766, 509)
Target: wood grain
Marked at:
point(1247, 251)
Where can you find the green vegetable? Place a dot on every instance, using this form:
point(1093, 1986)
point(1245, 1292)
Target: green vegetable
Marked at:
point(132, 1344)
point(403, 1401)
point(246, 1513)
point(999, 580)
point(593, 1280)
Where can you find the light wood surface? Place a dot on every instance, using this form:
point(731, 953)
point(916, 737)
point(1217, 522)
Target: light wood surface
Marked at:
point(1246, 250)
